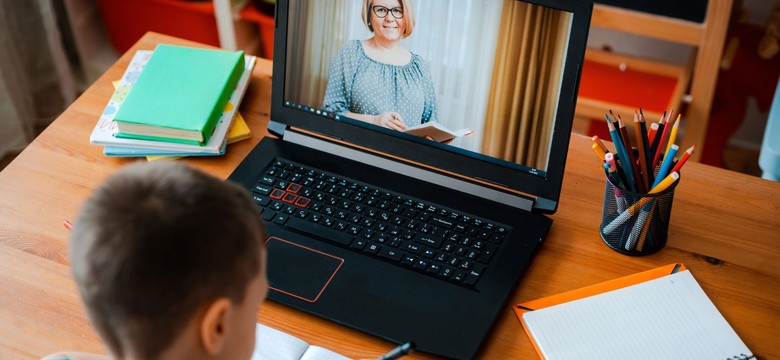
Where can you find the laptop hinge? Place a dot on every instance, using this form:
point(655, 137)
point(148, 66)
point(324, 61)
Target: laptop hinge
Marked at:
point(315, 142)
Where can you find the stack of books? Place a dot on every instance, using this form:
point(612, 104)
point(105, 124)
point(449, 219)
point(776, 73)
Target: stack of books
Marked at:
point(176, 101)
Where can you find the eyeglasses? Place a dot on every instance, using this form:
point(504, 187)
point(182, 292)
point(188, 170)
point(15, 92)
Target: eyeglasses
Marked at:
point(381, 11)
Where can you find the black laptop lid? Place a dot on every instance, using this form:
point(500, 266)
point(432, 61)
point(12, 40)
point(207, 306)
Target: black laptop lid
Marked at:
point(508, 70)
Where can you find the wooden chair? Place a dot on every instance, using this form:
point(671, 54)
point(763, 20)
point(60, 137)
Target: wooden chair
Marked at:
point(699, 75)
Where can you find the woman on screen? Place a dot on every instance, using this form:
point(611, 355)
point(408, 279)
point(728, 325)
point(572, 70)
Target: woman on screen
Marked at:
point(378, 81)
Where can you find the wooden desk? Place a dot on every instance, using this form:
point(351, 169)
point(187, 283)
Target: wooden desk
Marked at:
point(725, 227)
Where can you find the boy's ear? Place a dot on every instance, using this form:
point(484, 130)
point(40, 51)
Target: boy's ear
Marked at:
point(213, 326)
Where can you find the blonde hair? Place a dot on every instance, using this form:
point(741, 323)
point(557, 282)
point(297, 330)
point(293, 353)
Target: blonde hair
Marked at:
point(409, 20)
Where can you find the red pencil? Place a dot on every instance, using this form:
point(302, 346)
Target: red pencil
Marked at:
point(683, 159)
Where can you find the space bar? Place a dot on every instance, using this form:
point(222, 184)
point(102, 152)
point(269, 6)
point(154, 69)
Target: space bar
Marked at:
point(320, 231)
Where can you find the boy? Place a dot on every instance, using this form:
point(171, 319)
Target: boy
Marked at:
point(170, 264)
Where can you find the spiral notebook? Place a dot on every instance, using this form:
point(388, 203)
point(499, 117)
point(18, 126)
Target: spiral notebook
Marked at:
point(645, 316)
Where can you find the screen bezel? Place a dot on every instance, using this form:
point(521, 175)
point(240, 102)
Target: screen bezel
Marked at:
point(449, 159)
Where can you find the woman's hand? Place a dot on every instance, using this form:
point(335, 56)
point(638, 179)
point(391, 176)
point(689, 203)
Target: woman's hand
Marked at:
point(390, 120)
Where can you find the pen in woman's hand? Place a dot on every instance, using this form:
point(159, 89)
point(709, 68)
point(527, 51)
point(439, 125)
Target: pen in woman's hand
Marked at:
point(399, 351)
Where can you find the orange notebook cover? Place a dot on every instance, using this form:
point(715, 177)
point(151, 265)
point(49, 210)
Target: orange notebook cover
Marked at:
point(587, 291)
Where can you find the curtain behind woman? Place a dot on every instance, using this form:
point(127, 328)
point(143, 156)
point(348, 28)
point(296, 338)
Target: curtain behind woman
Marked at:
point(35, 79)
point(317, 35)
point(524, 89)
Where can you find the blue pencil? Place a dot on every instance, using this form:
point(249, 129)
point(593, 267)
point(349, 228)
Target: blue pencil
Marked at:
point(621, 151)
point(666, 165)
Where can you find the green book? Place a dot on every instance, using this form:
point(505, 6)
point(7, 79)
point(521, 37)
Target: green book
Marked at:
point(180, 94)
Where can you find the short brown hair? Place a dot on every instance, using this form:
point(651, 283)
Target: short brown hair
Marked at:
point(409, 19)
point(154, 244)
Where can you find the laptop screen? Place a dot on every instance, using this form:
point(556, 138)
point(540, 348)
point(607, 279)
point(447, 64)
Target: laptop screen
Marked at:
point(501, 76)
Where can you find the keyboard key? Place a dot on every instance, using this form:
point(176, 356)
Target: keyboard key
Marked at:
point(262, 189)
point(303, 202)
point(289, 198)
point(319, 231)
point(359, 243)
point(421, 264)
point(459, 275)
point(390, 253)
point(487, 253)
point(294, 188)
point(262, 200)
point(440, 221)
point(277, 194)
point(281, 218)
point(434, 268)
point(412, 247)
point(473, 275)
point(408, 259)
point(269, 215)
point(372, 248)
point(428, 239)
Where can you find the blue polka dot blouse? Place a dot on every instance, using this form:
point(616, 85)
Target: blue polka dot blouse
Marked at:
point(362, 85)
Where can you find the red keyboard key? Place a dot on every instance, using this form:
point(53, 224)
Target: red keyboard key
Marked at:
point(277, 194)
point(303, 202)
point(290, 198)
point(294, 188)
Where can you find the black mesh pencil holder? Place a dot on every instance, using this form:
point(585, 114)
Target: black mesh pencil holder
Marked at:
point(633, 223)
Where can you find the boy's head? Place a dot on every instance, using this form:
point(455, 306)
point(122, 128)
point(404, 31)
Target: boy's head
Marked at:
point(170, 261)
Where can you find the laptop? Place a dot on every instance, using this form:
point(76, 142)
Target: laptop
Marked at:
point(394, 234)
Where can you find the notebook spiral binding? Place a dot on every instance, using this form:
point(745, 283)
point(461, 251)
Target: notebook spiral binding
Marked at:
point(742, 357)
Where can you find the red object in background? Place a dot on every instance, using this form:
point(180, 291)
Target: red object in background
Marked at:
point(126, 21)
point(265, 24)
point(749, 75)
point(631, 88)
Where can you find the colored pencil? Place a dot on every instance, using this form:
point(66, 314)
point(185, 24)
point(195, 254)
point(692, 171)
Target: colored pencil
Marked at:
point(657, 140)
point(600, 143)
point(624, 168)
point(666, 165)
point(640, 130)
point(634, 170)
point(662, 141)
point(673, 134)
point(683, 159)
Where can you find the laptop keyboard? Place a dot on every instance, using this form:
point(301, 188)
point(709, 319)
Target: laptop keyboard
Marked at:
point(412, 233)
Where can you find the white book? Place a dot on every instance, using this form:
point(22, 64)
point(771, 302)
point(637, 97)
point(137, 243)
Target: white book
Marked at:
point(437, 131)
point(272, 344)
point(105, 130)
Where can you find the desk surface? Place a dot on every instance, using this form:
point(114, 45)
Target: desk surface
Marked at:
point(725, 227)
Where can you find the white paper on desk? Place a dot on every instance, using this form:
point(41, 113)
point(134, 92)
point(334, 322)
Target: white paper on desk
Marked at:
point(666, 318)
point(272, 344)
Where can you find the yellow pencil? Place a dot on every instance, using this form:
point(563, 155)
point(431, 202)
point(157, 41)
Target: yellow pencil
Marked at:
point(599, 152)
point(673, 134)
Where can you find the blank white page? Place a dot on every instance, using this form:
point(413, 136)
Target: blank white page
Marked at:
point(666, 318)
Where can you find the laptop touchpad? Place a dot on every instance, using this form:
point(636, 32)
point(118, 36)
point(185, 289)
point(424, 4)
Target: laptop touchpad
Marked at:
point(299, 271)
